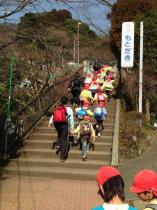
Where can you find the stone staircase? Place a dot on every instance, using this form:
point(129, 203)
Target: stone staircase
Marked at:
point(38, 159)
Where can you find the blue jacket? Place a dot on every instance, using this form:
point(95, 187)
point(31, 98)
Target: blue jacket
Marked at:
point(101, 208)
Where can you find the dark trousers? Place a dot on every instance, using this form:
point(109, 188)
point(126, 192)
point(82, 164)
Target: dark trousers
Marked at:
point(62, 139)
point(75, 96)
point(93, 92)
point(99, 126)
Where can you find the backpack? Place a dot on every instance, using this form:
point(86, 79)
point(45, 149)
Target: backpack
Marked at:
point(93, 87)
point(100, 97)
point(84, 95)
point(99, 113)
point(152, 206)
point(81, 113)
point(85, 128)
point(87, 80)
point(60, 114)
point(76, 82)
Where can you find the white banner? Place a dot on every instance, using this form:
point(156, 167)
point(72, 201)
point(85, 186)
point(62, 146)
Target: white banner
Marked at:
point(127, 46)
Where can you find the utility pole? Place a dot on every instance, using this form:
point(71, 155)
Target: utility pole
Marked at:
point(141, 67)
point(78, 42)
point(74, 50)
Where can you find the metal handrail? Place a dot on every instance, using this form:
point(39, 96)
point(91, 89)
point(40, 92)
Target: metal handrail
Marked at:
point(33, 112)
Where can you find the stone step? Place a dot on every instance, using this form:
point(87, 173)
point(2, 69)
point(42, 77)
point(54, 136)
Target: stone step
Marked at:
point(53, 172)
point(45, 126)
point(52, 136)
point(107, 121)
point(46, 130)
point(99, 146)
point(38, 159)
point(46, 153)
point(55, 162)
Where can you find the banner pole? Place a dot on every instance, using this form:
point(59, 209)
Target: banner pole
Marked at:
point(141, 67)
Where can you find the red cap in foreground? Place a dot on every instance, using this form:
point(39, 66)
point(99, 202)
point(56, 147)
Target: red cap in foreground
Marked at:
point(144, 180)
point(105, 173)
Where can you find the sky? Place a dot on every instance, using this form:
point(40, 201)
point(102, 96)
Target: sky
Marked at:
point(90, 12)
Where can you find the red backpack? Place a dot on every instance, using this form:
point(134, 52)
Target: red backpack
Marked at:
point(60, 114)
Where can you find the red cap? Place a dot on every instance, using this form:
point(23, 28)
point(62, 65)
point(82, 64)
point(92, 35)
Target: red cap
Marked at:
point(101, 103)
point(86, 117)
point(145, 180)
point(86, 103)
point(94, 83)
point(105, 173)
point(86, 86)
point(89, 75)
point(108, 79)
point(99, 90)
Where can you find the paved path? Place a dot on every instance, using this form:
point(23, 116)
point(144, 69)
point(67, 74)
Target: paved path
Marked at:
point(30, 193)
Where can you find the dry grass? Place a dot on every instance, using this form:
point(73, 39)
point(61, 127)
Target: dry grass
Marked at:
point(134, 136)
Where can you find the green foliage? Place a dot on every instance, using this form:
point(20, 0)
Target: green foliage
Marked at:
point(29, 19)
point(150, 41)
point(68, 70)
point(123, 11)
point(153, 106)
point(2, 88)
point(45, 18)
point(71, 25)
point(67, 56)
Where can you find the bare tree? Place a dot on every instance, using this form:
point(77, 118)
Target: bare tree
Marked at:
point(104, 2)
point(8, 8)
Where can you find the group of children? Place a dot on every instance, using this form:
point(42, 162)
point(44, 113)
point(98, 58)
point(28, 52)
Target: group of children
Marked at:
point(97, 88)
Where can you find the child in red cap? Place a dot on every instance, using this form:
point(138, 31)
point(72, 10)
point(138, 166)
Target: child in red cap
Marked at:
point(100, 114)
point(145, 186)
point(85, 94)
point(83, 110)
point(111, 189)
point(85, 130)
point(100, 96)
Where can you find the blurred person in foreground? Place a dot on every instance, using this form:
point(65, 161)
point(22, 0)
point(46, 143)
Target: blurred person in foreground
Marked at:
point(145, 186)
point(111, 190)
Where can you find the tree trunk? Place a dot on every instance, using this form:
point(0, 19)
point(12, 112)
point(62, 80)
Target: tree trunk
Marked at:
point(147, 110)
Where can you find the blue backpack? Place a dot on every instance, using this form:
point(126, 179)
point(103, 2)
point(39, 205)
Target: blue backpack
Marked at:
point(81, 113)
point(100, 113)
